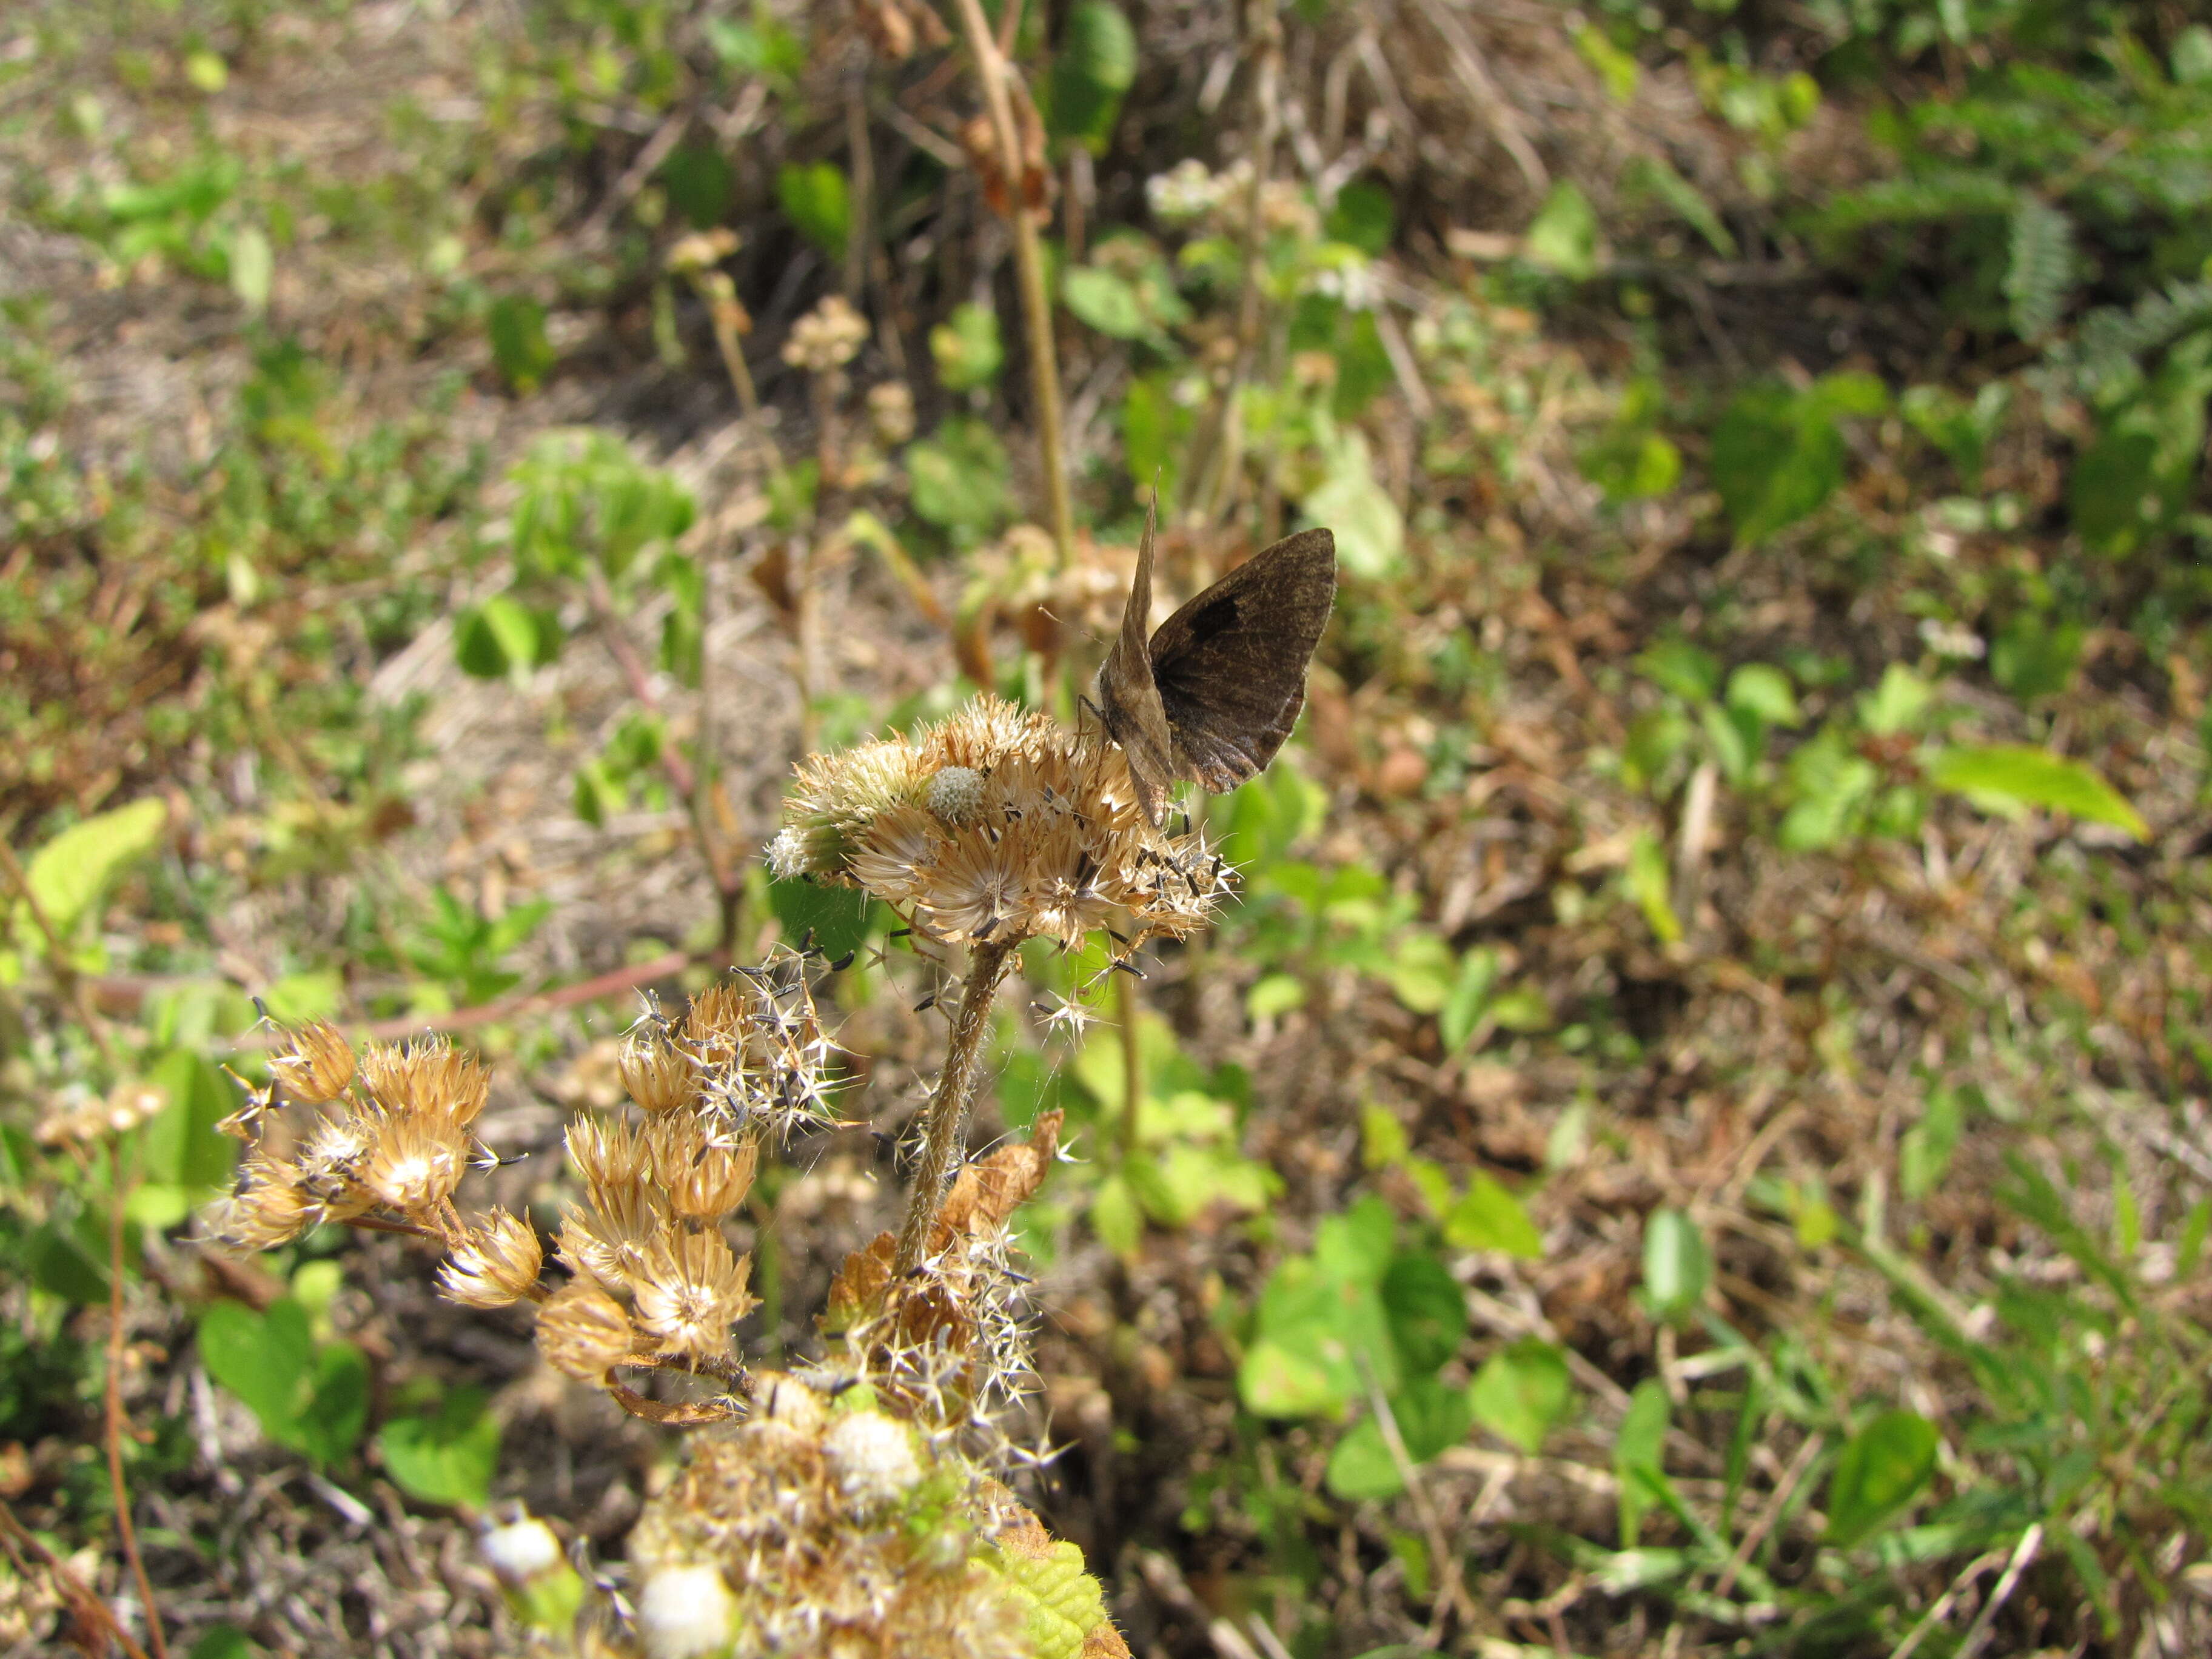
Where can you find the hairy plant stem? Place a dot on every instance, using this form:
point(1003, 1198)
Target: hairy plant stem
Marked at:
point(113, 1426)
point(1133, 1064)
point(994, 72)
point(947, 1112)
point(24, 1547)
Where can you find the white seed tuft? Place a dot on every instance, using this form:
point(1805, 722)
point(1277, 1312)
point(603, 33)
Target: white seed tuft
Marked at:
point(686, 1613)
point(955, 794)
point(786, 853)
point(521, 1550)
point(871, 1457)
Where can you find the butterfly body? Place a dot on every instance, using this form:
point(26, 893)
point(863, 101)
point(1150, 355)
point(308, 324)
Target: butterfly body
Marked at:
point(1213, 692)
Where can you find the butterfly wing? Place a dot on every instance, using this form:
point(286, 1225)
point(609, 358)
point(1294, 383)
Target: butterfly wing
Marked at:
point(1229, 667)
point(1128, 697)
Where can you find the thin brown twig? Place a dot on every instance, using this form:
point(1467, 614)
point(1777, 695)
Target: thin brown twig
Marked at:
point(126, 1530)
point(948, 1108)
point(87, 1608)
point(488, 1013)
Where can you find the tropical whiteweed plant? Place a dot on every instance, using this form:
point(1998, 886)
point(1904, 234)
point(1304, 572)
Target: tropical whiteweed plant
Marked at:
point(857, 1506)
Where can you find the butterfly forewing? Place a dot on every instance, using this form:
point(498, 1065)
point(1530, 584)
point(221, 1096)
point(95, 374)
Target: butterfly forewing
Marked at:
point(1230, 665)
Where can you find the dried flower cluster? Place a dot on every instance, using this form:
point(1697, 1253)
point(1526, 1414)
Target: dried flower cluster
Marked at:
point(654, 1282)
point(859, 1510)
point(826, 337)
point(996, 826)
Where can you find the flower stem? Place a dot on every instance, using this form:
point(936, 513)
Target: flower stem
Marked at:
point(1133, 1064)
point(114, 1423)
point(948, 1108)
point(992, 70)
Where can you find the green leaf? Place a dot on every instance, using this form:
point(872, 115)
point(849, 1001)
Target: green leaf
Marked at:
point(968, 349)
point(1777, 455)
point(2039, 266)
point(1427, 1311)
point(1107, 301)
point(1429, 1417)
point(1691, 672)
point(223, 1642)
point(1421, 971)
point(69, 873)
point(2008, 776)
point(1116, 1217)
point(1649, 175)
point(66, 1255)
point(1647, 880)
point(817, 200)
point(262, 1358)
point(1639, 1448)
point(958, 476)
point(1272, 996)
point(1522, 1392)
point(1155, 429)
point(1365, 217)
point(1094, 68)
point(1361, 1467)
point(1564, 235)
point(1487, 1216)
point(448, 1457)
point(701, 183)
point(181, 1146)
point(1618, 69)
point(1470, 997)
point(1677, 1266)
point(337, 1404)
point(1370, 533)
point(1881, 1469)
point(840, 919)
point(1923, 1152)
point(1765, 691)
point(516, 323)
point(505, 637)
point(1321, 1333)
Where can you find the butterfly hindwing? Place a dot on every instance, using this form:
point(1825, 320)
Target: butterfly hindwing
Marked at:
point(1230, 665)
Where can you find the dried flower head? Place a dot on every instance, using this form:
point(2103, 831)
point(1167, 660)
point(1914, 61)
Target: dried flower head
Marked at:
point(656, 1073)
point(997, 824)
point(496, 1263)
point(313, 1063)
point(826, 337)
point(891, 412)
point(609, 1238)
point(584, 1333)
point(427, 1079)
point(689, 255)
point(691, 1290)
point(704, 1178)
point(268, 1206)
point(686, 1613)
point(413, 1164)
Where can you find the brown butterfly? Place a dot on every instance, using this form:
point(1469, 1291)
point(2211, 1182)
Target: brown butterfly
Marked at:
point(1213, 695)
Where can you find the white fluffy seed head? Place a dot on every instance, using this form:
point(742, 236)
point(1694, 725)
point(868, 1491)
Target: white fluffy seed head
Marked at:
point(871, 1457)
point(521, 1550)
point(955, 794)
point(686, 1613)
point(786, 853)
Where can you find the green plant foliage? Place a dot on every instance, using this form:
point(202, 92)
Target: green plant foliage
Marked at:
point(67, 876)
point(959, 479)
point(1563, 236)
point(516, 325)
point(1881, 1469)
point(967, 348)
point(1522, 1393)
point(1488, 1217)
point(1678, 1265)
point(817, 200)
point(1777, 453)
point(837, 920)
point(311, 1397)
point(448, 1456)
point(2010, 777)
point(1093, 69)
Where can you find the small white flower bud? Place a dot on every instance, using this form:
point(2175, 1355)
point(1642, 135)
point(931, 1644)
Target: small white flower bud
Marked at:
point(955, 794)
point(871, 1457)
point(686, 1613)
